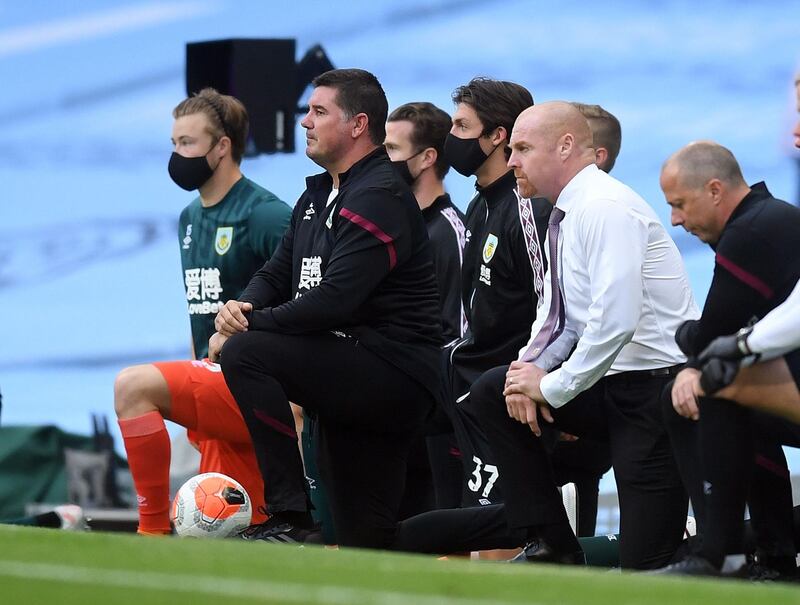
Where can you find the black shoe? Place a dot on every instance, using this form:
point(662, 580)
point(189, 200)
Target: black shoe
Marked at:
point(691, 565)
point(758, 570)
point(281, 532)
point(538, 551)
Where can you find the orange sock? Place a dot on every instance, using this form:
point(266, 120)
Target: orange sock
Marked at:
point(147, 443)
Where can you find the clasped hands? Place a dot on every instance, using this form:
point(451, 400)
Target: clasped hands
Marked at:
point(524, 399)
point(229, 321)
point(720, 362)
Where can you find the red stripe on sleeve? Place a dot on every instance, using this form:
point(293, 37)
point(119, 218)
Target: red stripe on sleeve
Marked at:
point(374, 230)
point(745, 276)
point(772, 466)
point(275, 424)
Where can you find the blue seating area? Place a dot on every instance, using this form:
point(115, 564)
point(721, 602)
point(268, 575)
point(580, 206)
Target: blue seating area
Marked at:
point(89, 267)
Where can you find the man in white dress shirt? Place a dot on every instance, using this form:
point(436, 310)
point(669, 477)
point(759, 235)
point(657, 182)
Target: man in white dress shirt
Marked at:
point(601, 349)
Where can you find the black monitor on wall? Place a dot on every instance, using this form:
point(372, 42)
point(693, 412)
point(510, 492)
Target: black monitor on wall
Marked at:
point(262, 74)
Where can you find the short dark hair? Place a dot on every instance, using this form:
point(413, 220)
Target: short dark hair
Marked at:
point(606, 131)
point(497, 103)
point(226, 115)
point(358, 91)
point(430, 128)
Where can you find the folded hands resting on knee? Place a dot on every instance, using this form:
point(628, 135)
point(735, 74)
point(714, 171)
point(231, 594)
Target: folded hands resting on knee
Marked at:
point(524, 399)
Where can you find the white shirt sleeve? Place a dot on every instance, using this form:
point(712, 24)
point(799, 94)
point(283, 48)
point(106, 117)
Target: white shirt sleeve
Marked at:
point(779, 331)
point(612, 243)
point(557, 351)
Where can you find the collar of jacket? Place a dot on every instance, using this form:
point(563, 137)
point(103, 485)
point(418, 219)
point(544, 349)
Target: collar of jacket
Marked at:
point(758, 191)
point(499, 189)
point(324, 181)
point(443, 201)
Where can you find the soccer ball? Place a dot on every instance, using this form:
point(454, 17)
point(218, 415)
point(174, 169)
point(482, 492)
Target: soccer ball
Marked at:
point(211, 505)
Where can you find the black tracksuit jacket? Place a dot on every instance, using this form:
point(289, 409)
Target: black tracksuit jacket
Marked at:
point(361, 267)
point(501, 279)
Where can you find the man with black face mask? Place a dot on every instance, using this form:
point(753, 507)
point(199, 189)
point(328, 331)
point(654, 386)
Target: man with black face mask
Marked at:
point(502, 276)
point(225, 235)
point(415, 137)
point(234, 225)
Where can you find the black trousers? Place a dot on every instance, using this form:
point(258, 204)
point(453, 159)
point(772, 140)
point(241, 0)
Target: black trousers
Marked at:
point(446, 469)
point(480, 480)
point(453, 530)
point(730, 457)
point(368, 414)
point(623, 409)
point(419, 495)
point(444, 457)
point(583, 462)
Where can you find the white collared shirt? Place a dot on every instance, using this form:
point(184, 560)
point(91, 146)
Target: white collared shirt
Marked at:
point(624, 284)
point(332, 196)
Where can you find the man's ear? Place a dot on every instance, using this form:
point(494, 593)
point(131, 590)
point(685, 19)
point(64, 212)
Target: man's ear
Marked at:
point(715, 188)
point(499, 135)
point(360, 125)
point(224, 145)
point(600, 157)
point(566, 144)
point(429, 157)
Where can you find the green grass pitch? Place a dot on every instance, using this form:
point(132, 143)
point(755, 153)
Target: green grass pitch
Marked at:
point(62, 568)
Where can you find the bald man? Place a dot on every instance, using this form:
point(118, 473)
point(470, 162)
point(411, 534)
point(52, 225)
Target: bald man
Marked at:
point(757, 264)
point(774, 341)
point(600, 351)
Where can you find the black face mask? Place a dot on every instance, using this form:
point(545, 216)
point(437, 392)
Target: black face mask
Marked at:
point(464, 155)
point(189, 173)
point(404, 171)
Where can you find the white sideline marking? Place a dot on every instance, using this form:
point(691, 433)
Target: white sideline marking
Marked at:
point(265, 590)
point(32, 37)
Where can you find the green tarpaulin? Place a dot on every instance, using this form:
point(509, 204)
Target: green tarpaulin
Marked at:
point(32, 466)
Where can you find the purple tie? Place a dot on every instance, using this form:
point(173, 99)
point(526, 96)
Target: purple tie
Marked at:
point(554, 322)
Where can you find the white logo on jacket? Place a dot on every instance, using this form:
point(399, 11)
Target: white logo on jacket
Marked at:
point(486, 275)
point(310, 273)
